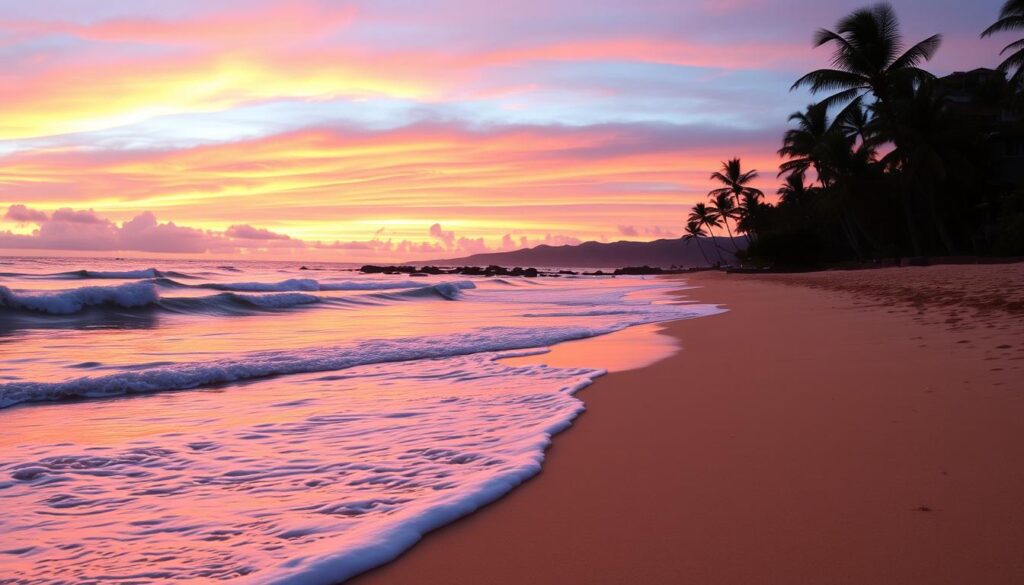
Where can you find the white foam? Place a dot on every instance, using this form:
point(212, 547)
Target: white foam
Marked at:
point(294, 284)
point(319, 359)
point(306, 481)
point(123, 274)
point(311, 285)
point(330, 461)
point(278, 300)
point(67, 302)
point(370, 285)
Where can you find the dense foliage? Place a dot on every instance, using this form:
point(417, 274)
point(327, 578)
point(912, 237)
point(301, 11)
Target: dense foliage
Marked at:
point(891, 162)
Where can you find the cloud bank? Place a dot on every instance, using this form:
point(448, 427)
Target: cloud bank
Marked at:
point(67, 229)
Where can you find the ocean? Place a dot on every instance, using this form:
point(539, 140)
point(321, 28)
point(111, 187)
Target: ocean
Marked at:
point(267, 422)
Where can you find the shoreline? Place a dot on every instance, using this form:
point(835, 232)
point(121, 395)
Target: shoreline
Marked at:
point(740, 461)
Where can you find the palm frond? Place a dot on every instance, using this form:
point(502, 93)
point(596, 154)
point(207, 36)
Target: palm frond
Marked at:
point(797, 165)
point(717, 176)
point(1015, 60)
point(874, 33)
point(843, 97)
point(1006, 23)
point(829, 79)
point(1012, 47)
point(923, 51)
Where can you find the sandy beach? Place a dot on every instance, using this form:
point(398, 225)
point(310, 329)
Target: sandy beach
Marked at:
point(879, 440)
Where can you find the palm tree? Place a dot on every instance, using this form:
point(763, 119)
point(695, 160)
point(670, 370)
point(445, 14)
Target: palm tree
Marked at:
point(707, 217)
point(795, 191)
point(817, 142)
point(729, 199)
point(695, 232)
point(725, 208)
point(867, 58)
point(1011, 17)
point(932, 149)
point(857, 124)
point(737, 182)
point(851, 169)
point(751, 215)
point(802, 145)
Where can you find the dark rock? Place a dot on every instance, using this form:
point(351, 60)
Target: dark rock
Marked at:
point(371, 269)
point(638, 270)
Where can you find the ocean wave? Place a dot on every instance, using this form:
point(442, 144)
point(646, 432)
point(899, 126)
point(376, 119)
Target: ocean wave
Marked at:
point(450, 291)
point(293, 285)
point(236, 299)
point(371, 285)
point(277, 300)
point(143, 295)
point(341, 507)
point(120, 275)
point(591, 313)
point(149, 273)
point(68, 302)
point(237, 304)
point(253, 365)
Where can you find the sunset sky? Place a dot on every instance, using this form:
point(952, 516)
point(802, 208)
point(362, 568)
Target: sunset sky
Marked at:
point(398, 129)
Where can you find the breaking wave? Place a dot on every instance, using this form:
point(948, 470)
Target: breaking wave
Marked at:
point(145, 294)
point(67, 302)
point(182, 376)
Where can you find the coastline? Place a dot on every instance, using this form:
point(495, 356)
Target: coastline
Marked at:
point(880, 445)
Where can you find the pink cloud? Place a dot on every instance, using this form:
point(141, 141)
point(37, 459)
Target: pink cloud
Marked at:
point(248, 232)
point(23, 214)
point(72, 216)
point(648, 231)
point(85, 230)
point(68, 229)
point(447, 238)
point(472, 245)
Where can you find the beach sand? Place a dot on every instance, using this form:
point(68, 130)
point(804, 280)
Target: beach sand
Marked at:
point(848, 427)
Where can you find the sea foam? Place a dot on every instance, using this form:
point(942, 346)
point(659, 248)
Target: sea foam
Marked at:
point(378, 413)
point(67, 302)
point(247, 366)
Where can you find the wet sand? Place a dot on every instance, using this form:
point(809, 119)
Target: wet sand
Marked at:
point(840, 428)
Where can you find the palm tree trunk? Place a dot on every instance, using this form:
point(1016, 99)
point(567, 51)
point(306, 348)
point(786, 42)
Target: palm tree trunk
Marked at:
point(701, 248)
point(851, 236)
point(714, 241)
point(731, 238)
point(908, 205)
point(908, 214)
point(858, 228)
point(940, 226)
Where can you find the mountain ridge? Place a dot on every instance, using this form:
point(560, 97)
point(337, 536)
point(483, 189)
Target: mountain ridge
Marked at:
point(664, 253)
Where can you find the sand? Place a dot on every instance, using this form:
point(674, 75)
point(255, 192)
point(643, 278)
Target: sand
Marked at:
point(860, 427)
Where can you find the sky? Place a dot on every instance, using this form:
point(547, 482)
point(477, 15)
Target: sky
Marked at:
point(389, 130)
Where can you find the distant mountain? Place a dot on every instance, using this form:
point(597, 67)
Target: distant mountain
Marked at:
point(659, 253)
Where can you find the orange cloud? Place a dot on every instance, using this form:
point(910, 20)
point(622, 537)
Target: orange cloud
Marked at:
point(355, 185)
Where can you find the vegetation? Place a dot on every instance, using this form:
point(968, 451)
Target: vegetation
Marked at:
point(1011, 17)
point(891, 162)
